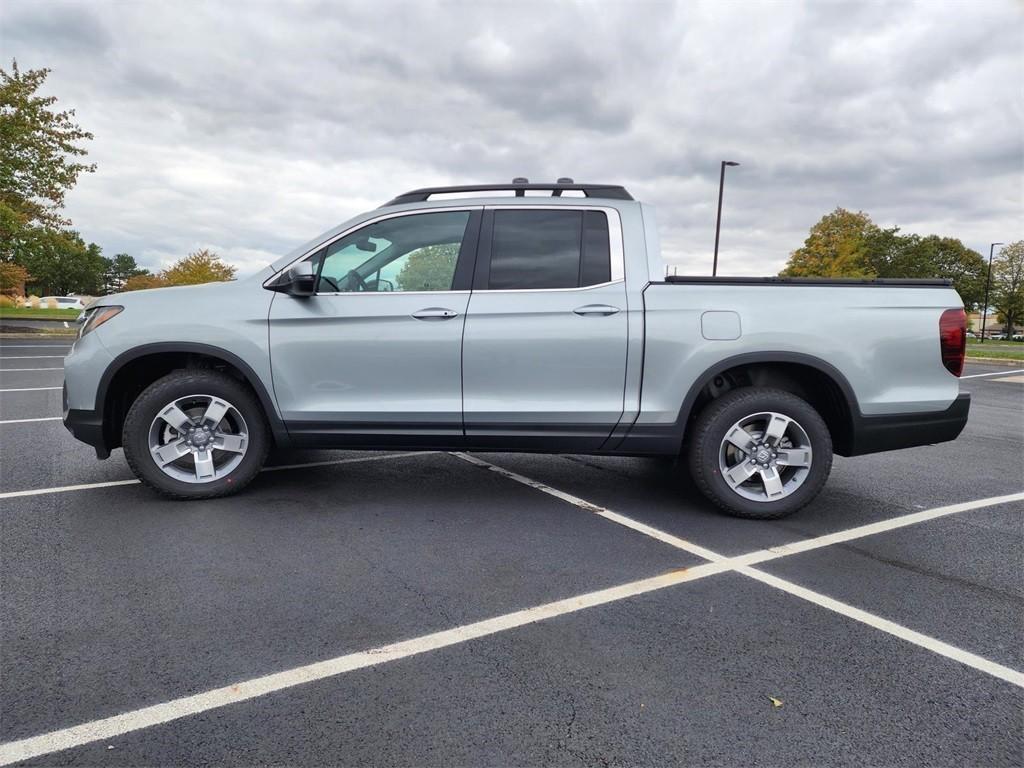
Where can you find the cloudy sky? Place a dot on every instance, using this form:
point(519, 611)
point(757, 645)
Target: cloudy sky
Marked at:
point(249, 127)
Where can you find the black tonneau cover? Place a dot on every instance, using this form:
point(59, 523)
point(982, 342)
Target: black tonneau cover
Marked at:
point(863, 282)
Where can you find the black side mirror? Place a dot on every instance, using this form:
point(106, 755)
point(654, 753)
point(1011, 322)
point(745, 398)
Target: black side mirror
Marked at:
point(298, 280)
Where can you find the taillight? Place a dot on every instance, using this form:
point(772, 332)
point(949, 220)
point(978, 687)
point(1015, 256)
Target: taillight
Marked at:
point(953, 339)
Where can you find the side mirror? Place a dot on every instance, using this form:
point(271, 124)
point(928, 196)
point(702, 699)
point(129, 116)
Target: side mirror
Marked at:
point(298, 280)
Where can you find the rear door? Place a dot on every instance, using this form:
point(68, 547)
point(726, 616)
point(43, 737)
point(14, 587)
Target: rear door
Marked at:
point(374, 357)
point(544, 350)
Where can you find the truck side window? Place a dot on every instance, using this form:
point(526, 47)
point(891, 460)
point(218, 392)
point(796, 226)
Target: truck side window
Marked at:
point(538, 249)
point(405, 253)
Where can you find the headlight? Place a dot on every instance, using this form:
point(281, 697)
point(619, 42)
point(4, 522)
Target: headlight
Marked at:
point(94, 317)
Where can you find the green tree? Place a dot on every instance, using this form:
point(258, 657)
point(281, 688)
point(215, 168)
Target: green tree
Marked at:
point(38, 147)
point(835, 247)
point(120, 270)
point(430, 268)
point(889, 254)
point(61, 263)
point(201, 266)
point(143, 282)
point(1008, 285)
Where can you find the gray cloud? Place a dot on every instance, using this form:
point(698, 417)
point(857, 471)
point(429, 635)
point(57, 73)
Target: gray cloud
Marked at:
point(250, 127)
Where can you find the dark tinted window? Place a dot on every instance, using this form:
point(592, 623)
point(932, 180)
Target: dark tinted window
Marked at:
point(596, 264)
point(536, 249)
point(549, 249)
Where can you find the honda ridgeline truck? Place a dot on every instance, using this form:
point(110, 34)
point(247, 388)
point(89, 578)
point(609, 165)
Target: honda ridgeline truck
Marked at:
point(534, 318)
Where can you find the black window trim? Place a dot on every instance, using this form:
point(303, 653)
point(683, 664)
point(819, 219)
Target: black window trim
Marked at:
point(483, 260)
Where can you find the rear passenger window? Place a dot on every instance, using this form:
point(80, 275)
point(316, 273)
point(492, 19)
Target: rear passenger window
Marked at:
point(536, 249)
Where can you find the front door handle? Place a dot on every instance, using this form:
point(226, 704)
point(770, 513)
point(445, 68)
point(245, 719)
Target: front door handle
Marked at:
point(596, 309)
point(435, 313)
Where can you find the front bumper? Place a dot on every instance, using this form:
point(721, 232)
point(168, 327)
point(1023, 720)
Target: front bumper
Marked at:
point(872, 434)
point(86, 426)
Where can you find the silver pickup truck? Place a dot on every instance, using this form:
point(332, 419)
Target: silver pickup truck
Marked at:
point(521, 317)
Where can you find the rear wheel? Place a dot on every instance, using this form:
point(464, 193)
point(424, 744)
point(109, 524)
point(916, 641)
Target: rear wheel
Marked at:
point(760, 453)
point(196, 434)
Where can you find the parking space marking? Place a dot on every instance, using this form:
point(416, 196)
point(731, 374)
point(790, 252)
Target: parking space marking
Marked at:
point(8, 370)
point(25, 421)
point(29, 389)
point(827, 540)
point(995, 373)
point(110, 727)
point(737, 564)
point(31, 357)
point(133, 481)
point(897, 630)
point(608, 514)
point(117, 725)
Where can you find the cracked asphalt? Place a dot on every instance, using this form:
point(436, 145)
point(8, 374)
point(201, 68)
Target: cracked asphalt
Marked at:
point(112, 599)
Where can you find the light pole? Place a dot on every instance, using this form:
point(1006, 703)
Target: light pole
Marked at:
point(988, 284)
point(718, 223)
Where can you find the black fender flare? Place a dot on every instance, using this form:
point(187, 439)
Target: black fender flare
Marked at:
point(252, 379)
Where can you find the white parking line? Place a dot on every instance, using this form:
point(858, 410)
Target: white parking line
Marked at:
point(34, 346)
point(996, 373)
point(909, 635)
point(893, 523)
point(29, 389)
point(111, 483)
point(25, 421)
point(8, 370)
point(175, 709)
point(30, 357)
point(109, 727)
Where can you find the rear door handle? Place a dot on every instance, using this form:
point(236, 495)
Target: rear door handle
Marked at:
point(435, 313)
point(596, 309)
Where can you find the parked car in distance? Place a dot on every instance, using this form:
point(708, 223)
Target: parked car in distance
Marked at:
point(536, 322)
point(62, 302)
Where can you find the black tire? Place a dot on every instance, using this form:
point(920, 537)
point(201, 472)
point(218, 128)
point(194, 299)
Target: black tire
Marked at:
point(181, 384)
point(710, 430)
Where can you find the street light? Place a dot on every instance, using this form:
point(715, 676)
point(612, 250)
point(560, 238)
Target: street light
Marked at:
point(988, 284)
point(718, 223)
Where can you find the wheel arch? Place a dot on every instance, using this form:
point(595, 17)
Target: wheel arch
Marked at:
point(809, 377)
point(134, 370)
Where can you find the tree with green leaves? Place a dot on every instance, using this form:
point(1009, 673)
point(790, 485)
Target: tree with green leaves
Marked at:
point(61, 263)
point(429, 268)
point(39, 150)
point(1008, 285)
point(120, 270)
point(845, 244)
point(201, 266)
point(835, 247)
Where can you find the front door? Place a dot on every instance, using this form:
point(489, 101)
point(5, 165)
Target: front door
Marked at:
point(544, 355)
point(374, 357)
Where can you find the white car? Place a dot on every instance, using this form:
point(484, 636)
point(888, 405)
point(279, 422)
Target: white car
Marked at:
point(63, 302)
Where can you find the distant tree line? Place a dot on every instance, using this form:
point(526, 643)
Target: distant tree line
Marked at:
point(847, 244)
point(40, 161)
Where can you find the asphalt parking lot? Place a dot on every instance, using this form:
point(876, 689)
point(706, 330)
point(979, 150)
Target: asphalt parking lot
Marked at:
point(439, 609)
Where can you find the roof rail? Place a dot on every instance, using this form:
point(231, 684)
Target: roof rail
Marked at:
point(519, 186)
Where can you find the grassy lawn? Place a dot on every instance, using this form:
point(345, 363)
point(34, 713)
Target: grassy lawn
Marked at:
point(1005, 350)
point(42, 313)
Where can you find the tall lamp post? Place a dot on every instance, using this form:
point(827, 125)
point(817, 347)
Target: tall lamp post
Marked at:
point(988, 284)
point(718, 223)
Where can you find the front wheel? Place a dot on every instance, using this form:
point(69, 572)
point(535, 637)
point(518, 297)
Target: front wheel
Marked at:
point(196, 434)
point(760, 453)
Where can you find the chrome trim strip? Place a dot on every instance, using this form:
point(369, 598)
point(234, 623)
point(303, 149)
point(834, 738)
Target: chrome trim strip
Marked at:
point(394, 293)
